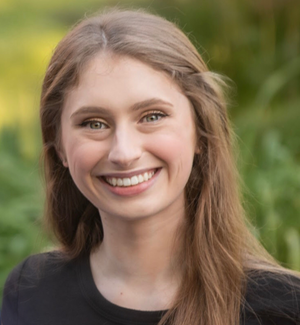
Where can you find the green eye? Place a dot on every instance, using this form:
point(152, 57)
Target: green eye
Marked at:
point(94, 125)
point(153, 117)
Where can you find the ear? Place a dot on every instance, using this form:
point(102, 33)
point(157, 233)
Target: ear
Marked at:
point(62, 157)
point(65, 162)
point(197, 150)
point(198, 147)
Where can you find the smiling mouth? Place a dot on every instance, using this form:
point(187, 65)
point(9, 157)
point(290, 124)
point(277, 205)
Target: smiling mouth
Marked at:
point(130, 181)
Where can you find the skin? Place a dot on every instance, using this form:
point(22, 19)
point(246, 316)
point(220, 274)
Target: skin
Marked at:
point(140, 121)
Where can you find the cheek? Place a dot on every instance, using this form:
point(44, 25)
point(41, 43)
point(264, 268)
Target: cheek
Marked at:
point(176, 150)
point(179, 141)
point(82, 156)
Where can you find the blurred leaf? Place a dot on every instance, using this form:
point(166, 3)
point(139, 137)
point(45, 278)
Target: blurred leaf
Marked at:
point(292, 238)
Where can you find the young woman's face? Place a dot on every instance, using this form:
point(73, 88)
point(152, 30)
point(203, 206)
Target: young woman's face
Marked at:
point(128, 139)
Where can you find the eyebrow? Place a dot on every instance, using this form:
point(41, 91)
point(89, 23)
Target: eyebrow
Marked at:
point(149, 102)
point(135, 107)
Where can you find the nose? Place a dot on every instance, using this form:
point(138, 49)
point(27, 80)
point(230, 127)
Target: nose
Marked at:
point(125, 148)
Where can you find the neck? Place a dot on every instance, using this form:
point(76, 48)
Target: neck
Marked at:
point(139, 255)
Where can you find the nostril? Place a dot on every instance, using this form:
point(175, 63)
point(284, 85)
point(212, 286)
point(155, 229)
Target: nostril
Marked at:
point(124, 156)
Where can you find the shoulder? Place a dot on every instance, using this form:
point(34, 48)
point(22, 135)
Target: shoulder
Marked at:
point(273, 298)
point(30, 281)
point(35, 267)
point(28, 269)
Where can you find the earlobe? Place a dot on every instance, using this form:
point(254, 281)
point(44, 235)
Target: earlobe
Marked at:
point(197, 148)
point(65, 163)
point(62, 158)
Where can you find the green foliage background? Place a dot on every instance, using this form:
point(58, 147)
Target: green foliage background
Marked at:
point(255, 43)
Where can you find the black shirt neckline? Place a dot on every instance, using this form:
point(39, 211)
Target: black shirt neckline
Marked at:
point(108, 310)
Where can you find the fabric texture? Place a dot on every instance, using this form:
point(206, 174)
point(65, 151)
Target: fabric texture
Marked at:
point(45, 290)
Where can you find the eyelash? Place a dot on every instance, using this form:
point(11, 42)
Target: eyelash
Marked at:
point(159, 114)
point(89, 122)
point(156, 113)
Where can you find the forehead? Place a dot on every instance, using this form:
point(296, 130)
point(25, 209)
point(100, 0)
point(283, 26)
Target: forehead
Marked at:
point(120, 81)
point(108, 67)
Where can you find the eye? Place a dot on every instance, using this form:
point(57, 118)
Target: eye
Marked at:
point(94, 124)
point(153, 117)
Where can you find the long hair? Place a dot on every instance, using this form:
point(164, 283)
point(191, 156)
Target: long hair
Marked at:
point(218, 248)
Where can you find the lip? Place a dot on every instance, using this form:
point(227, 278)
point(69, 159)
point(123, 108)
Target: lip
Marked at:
point(130, 174)
point(134, 189)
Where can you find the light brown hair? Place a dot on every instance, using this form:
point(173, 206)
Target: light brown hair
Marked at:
point(218, 248)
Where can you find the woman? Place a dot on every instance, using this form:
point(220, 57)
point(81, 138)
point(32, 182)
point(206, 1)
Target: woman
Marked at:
point(142, 191)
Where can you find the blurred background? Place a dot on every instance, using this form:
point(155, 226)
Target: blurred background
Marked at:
point(256, 43)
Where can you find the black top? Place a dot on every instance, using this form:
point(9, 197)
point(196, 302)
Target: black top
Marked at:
point(43, 290)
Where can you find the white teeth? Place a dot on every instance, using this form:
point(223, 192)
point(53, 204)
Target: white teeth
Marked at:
point(134, 180)
point(146, 176)
point(126, 182)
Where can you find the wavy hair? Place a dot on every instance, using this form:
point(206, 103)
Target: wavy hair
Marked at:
point(218, 248)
